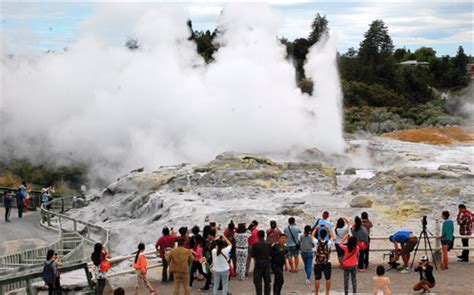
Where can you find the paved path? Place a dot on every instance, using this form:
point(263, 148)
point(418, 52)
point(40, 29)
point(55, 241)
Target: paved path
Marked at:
point(22, 234)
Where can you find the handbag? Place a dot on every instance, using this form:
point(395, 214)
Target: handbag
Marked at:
point(104, 265)
point(297, 244)
point(231, 267)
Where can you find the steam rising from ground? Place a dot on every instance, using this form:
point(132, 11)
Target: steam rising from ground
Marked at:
point(161, 104)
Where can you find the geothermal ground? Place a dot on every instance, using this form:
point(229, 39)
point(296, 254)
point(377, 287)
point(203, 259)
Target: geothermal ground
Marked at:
point(396, 182)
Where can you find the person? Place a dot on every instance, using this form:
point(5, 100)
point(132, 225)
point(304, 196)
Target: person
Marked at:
point(253, 228)
point(44, 196)
point(50, 190)
point(26, 193)
point(381, 282)
point(209, 236)
point(163, 246)
point(262, 253)
point(220, 259)
point(322, 253)
point(179, 260)
point(349, 262)
point(50, 269)
point(273, 233)
point(20, 202)
point(307, 245)
point(464, 220)
point(229, 232)
point(293, 245)
point(184, 235)
point(323, 220)
point(408, 241)
point(368, 226)
point(100, 255)
point(362, 236)
point(58, 273)
point(278, 263)
point(342, 229)
point(140, 266)
point(196, 250)
point(427, 280)
point(447, 237)
point(241, 244)
point(7, 202)
point(119, 291)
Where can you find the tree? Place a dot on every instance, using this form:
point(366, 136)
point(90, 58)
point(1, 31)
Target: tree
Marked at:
point(204, 41)
point(319, 27)
point(376, 42)
point(458, 75)
point(400, 54)
point(426, 54)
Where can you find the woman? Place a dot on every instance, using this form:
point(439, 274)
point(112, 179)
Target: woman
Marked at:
point(98, 257)
point(196, 249)
point(230, 235)
point(307, 244)
point(362, 236)
point(273, 233)
point(349, 262)
point(220, 261)
point(241, 246)
point(427, 280)
point(50, 272)
point(342, 229)
point(447, 236)
point(140, 267)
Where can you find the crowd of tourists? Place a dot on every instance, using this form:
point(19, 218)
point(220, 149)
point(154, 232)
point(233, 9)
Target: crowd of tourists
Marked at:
point(216, 258)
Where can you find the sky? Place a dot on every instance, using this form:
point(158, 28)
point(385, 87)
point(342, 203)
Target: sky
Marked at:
point(39, 26)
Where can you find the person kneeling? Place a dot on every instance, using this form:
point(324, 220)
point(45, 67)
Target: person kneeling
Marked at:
point(427, 280)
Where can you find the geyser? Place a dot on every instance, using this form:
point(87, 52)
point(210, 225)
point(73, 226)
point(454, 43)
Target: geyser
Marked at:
point(161, 104)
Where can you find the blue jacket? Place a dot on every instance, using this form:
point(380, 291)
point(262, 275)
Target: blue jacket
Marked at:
point(19, 199)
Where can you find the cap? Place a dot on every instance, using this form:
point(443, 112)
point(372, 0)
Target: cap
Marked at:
point(424, 258)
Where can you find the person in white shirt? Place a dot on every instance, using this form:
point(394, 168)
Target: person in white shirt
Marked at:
point(220, 261)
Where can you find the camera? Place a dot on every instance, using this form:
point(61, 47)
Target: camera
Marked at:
point(424, 222)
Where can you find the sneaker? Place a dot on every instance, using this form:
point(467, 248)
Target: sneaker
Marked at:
point(308, 282)
point(405, 270)
point(463, 260)
point(154, 291)
point(204, 290)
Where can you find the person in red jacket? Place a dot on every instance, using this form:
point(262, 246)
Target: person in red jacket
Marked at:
point(140, 266)
point(253, 239)
point(164, 245)
point(349, 262)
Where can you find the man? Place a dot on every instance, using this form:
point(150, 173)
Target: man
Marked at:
point(427, 280)
point(322, 253)
point(179, 260)
point(322, 221)
point(20, 202)
point(464, 219)
point(292, 232)
point(7, 202)
point(184, 235)
point(408, 242)
point(253, 228)
point(209, 243)
point(262, 253)
point(279, 252)
point(164, 245)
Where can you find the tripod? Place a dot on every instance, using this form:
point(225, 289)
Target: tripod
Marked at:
point(426, 239)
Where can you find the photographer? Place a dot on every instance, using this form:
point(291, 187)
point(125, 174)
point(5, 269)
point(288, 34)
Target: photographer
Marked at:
point(427, 280)
point(408, 242)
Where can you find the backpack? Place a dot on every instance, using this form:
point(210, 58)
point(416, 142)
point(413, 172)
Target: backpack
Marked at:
point(49, 275)
point(322, 253)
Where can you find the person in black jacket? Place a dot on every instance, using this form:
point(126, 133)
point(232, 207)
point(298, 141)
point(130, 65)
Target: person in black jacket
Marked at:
point(262, 254)
point(427, 280)
point(279, 258)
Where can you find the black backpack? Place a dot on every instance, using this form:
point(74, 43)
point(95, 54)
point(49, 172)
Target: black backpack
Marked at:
point(49, 276)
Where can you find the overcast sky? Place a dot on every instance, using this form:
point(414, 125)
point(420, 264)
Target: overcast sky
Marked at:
point(443, 25)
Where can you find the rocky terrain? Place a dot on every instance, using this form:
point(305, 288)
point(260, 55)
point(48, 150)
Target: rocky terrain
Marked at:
point(396, 182)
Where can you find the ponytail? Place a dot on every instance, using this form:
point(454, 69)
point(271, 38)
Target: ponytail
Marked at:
point(141, 247)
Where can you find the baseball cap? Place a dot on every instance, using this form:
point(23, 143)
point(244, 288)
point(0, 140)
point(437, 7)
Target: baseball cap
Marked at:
point(424, 258)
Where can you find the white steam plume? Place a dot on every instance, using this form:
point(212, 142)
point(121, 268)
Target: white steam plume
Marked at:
point(161, 104)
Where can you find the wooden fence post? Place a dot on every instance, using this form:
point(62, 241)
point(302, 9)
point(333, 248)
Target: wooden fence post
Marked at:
point(437, 243)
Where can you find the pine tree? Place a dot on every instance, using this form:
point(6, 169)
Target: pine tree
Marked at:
point(319, 27)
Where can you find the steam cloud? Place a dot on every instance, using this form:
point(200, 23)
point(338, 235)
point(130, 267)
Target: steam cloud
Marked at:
point(120, 109)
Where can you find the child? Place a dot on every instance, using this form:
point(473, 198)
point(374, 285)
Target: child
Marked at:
point(381, 283)
point(140, 267)
point(447, 237)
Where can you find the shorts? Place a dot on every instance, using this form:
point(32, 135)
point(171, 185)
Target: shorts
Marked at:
point(319, 269)
point(409, 246)
point(446, 242)
point(292, 252)
point(340, 252)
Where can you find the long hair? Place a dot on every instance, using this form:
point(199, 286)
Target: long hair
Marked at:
point(351, 244)
point(219, 246)
point(49, 254)
point(340, 224)
point(141, 247)
point(95, 257)
point(307, 230)
point(357, 223)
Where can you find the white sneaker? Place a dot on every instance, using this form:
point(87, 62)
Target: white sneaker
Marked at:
point(308, 282)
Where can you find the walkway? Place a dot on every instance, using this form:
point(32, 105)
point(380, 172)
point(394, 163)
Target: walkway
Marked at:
point(23, 234)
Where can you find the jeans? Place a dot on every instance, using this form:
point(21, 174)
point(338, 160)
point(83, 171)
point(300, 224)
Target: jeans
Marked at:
point(353, 273)
point(259, 274)
point(279, 279)
point(221, 277)
point(100, 286)
point(164, 275)
point(20, 211)
point(465, 253)
point(363, 258)
point(308, 263)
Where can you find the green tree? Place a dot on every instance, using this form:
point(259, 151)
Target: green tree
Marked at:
point(319, 27)
point(399, 54)
point(376, 42)
point(426, 54)
point(458, 74)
